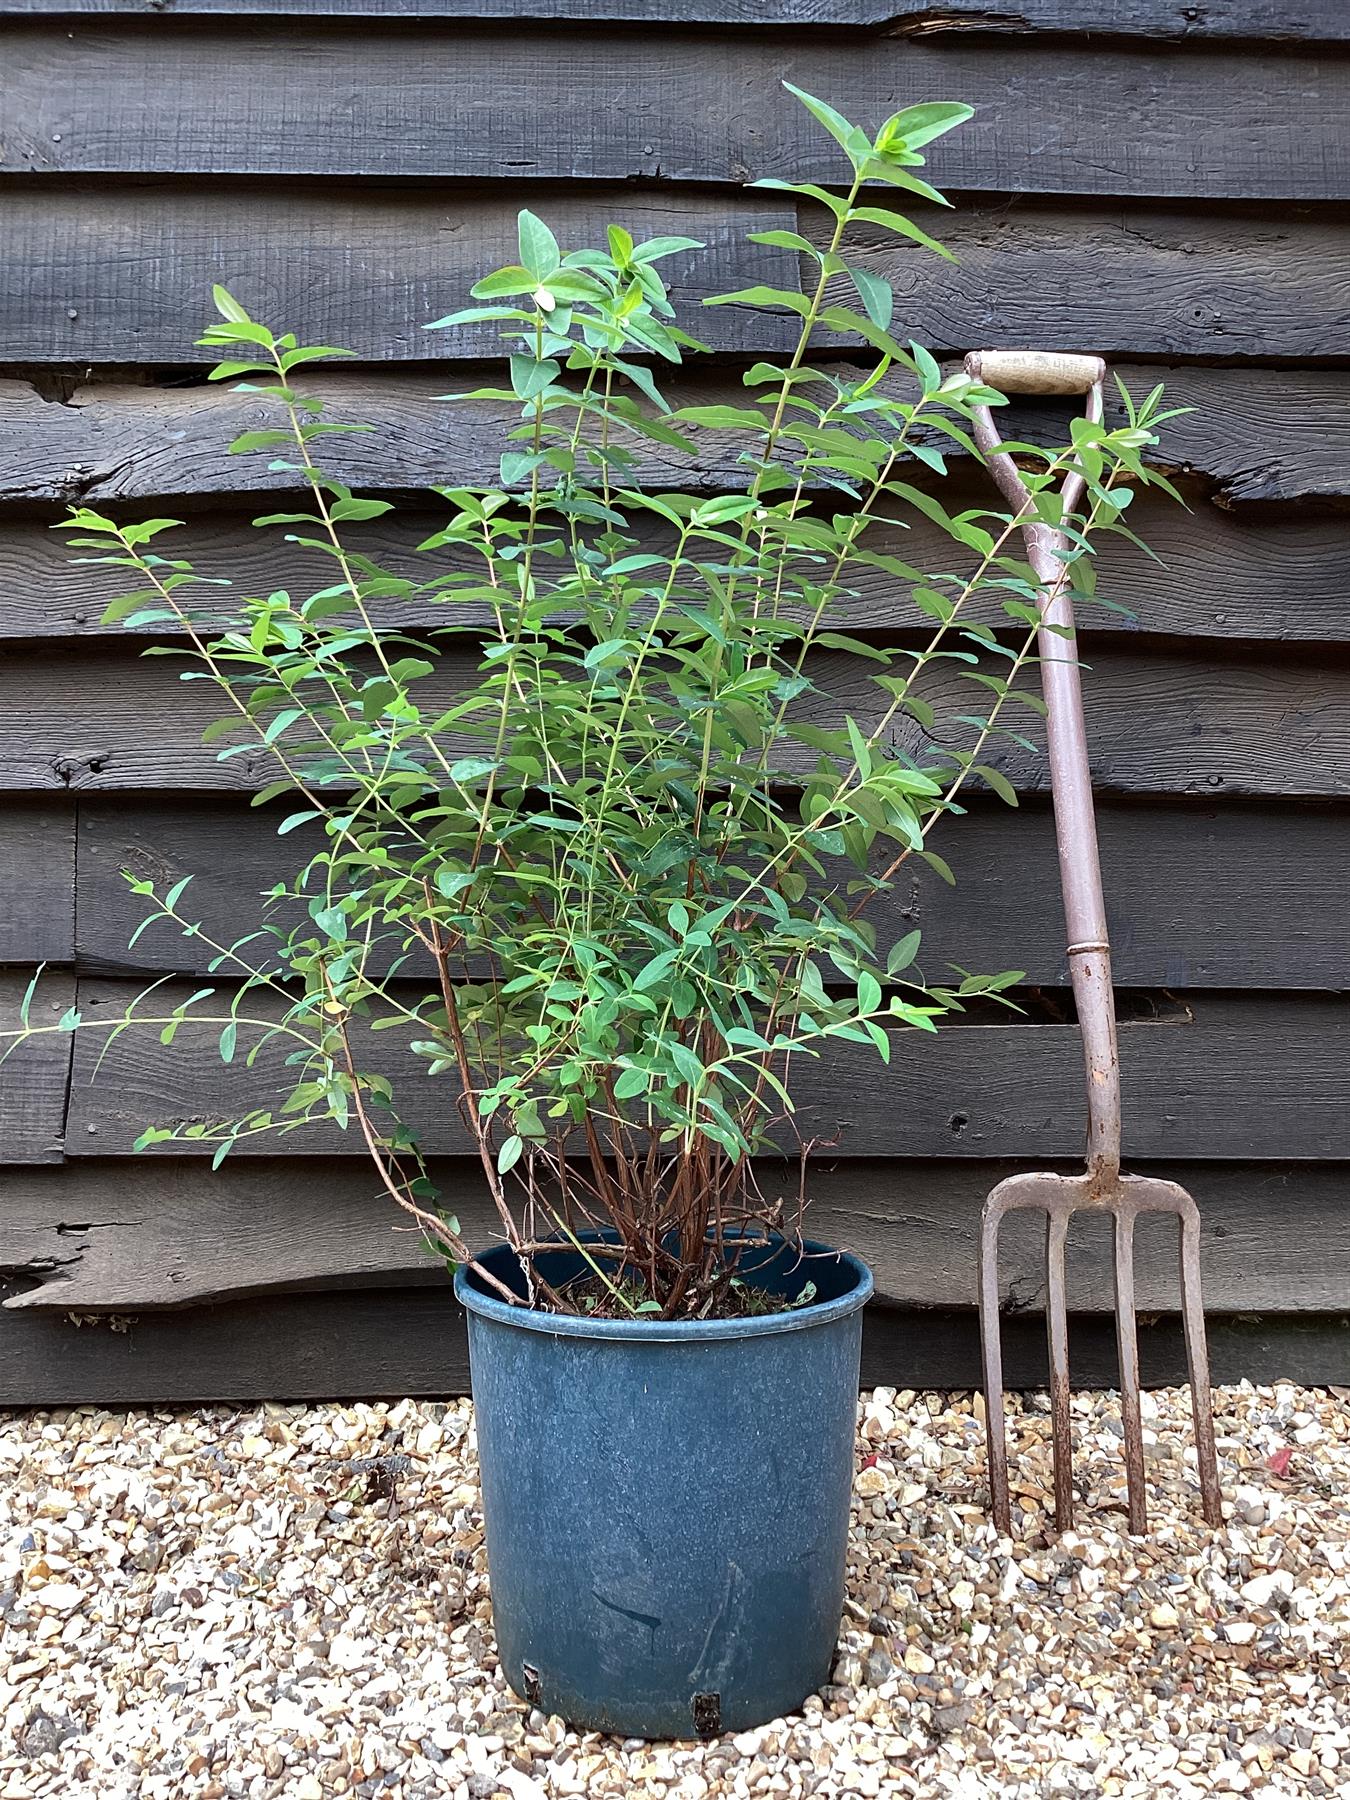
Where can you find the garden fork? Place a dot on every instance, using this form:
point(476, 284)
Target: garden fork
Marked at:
point(1102, 1188)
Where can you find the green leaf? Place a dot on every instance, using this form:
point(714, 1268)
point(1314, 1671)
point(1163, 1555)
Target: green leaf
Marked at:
point(25, 1005)
point(530, 378)
point(762, 296)
point(654, 249)
point(784, 240)
point(939, 865)
point(651, 972)
point(539, 251)
point(732, 418)
point(227, 306)
point(503, 284)
point(854, 142)
point(1000, 783)
point(475, 315)
point(919, 125)
point(902, 227)
point(902, 953)
point(511, 1151)
point(875, 295)
point(472, 768)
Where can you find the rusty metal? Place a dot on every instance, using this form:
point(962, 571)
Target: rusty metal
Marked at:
point(1102, 1188)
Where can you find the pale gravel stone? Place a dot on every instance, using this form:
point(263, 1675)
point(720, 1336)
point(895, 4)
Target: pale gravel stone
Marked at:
point(290, 1603)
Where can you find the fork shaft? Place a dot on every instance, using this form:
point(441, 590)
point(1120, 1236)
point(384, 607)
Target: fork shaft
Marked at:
point(1071, 789)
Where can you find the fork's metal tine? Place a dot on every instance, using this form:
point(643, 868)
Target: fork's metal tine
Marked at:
point(1057, 1331)
point(1127, 1350)
point(991, 1354)
point(1197, 1361)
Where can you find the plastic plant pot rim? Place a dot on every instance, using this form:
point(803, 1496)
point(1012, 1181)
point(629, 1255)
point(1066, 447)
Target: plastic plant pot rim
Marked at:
point(666, 1331)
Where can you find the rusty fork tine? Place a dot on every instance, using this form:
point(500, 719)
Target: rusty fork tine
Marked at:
point(1127, 1352)
point(1057, 1333)
point(1197, 1362)
point(991, 1356)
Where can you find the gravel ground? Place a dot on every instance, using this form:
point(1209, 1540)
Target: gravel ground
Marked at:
point(292, 1601)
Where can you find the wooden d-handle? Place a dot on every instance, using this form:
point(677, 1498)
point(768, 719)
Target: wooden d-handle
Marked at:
point(1035, 371)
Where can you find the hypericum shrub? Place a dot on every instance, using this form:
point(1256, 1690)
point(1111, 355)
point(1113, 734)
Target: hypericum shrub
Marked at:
point(612, 889)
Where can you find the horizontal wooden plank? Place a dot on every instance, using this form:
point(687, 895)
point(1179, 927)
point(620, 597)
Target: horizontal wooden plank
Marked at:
point(1128, 281)
point(365, 269)
point(37, 882)
point(1268, 21)
point(34, 1077)
point(368, 267)
point(113, 1236)
point(1238, 895)
point(1212, 573)
point(1159, 724)
point(1214, 1077)
point(203, 98)
point(1259, 435)
point(411, 1341)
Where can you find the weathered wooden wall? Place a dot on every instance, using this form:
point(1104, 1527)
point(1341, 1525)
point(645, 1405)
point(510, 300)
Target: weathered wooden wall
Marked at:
point(1161, 182)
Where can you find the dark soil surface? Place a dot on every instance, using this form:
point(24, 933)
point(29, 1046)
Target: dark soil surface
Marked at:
point(594, 1298)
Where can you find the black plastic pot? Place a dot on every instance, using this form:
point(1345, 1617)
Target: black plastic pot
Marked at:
point(667, 1504)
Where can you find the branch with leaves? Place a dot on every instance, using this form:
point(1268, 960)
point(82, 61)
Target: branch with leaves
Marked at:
point(609, 893)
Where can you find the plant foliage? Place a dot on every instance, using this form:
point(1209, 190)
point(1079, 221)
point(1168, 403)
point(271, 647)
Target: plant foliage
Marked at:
point(596, 802)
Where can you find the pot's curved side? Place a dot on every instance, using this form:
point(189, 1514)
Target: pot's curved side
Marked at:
point(667, 1521)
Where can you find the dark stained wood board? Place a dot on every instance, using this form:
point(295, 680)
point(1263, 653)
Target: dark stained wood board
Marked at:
point(35, 1075)
point(366, 268)
point(1119, 281)
point(140, 1235)
point(1259, 21)
point(1229, 895)
point(411, 1341)
point(1210, 1076)
point(107, 719)
point(1212, 573)
point(196, 97)
point(37, 882)
point(1257, 435)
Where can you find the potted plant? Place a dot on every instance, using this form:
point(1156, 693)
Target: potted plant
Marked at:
point(610, 893)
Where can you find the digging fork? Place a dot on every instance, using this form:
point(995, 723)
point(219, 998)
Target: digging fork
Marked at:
point(1102, 1188)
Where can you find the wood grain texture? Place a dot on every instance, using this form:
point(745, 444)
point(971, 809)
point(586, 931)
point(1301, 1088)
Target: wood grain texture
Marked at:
point(1234, 895)
point(365, 269)
point(1217, 1076)
point(1212, 573)
point(1120, 281)
point(35, 1075)
point(1258, 435)
point(109, 96)
point(1160, 724)
point(1267, 21)
point(140, 1236)
point(37, 882)
point(411, 1341)
point(368, 267)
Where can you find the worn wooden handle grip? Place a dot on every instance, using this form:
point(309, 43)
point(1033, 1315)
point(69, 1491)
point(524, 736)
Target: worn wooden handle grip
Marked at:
point(1035, 371)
